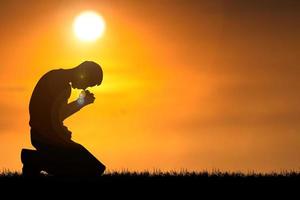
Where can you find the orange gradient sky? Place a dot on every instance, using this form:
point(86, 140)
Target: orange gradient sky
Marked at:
point(196, 85)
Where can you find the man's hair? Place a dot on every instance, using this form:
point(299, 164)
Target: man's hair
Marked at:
point(91, 71)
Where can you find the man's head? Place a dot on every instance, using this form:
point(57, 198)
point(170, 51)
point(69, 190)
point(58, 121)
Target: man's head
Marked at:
point(87, 74)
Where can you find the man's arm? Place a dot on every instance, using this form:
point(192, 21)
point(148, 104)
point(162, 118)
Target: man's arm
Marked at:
point(57, 124)
point(69, 109)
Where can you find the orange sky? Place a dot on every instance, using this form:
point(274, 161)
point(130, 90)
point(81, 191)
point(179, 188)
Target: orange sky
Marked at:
point(187, 84)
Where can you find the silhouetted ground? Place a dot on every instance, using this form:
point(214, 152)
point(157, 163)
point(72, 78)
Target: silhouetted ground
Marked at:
point(187, 183)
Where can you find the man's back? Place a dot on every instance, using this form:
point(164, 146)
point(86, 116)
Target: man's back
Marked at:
point(43, 115)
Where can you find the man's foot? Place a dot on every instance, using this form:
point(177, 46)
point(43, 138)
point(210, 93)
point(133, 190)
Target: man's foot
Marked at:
point(31, 162)
point(30, 171)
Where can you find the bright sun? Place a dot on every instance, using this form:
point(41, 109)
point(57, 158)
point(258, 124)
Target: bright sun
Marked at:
point(89, 26)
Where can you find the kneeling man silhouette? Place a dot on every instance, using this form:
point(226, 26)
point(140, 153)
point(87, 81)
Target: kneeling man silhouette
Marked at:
point(55, 152)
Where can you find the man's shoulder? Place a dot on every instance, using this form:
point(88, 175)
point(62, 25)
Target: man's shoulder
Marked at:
point(53, 76)
point(53, 72)
point(53, 79)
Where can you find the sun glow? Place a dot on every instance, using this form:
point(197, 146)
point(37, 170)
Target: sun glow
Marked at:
point(89, 26)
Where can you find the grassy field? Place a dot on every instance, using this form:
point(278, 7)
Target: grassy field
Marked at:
point(171, 177)
point(214, 183)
